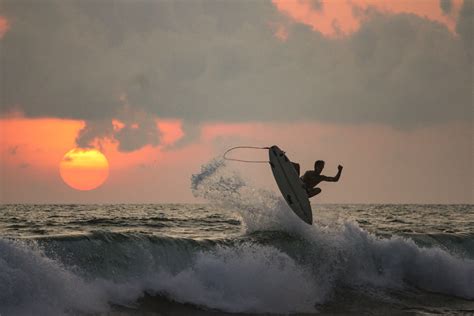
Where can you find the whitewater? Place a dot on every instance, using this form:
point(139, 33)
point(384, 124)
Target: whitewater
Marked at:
point(242, 252)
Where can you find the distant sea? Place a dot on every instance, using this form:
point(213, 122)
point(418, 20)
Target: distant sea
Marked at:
point(243, 252)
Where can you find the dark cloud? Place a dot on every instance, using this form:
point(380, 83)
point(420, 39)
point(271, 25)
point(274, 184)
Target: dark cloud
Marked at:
point(131, 129)
point(53, 62)
point(93, 130)
point(412, 72)
point(464, 28)
point(220, 61)
point(317, 5)
point(136, 135)
point(446, 6)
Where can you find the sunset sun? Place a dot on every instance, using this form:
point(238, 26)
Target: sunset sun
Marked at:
point(84, 169)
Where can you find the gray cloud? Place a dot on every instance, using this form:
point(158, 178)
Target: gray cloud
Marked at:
point(132, 130)
point(464, 28)
point(317, 5)
point(446, 6)
point(220, 61)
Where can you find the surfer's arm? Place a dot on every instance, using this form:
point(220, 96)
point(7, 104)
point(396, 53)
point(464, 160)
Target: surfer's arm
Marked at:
point(335, 178)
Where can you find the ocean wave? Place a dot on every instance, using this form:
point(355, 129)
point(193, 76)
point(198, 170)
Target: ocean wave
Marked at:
point(247, 277)
point(342, 251)
point(33, 284)
point(279, 265)
point(261, 272)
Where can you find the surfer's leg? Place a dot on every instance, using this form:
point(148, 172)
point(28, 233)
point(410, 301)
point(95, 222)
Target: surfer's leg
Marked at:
point(313, 192)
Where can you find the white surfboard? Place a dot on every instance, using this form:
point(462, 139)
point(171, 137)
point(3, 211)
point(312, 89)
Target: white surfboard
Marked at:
point(290, 184)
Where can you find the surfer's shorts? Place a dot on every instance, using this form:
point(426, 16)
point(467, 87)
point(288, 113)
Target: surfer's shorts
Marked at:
point(305, 186)
point(311, 190)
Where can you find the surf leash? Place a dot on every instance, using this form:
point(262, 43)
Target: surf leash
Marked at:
point(244, 160)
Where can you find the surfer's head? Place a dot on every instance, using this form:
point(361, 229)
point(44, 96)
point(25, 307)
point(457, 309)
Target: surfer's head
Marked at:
point(319, 166)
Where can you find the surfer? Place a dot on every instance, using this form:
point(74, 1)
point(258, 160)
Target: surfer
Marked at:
point(312, 178)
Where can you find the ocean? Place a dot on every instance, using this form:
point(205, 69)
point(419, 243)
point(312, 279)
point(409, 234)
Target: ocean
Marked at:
point(242, 252)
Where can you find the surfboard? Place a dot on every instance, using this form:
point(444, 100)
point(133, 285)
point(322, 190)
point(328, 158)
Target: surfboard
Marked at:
point(290, 184)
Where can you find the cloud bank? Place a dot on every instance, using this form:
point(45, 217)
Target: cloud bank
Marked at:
point(222, 61)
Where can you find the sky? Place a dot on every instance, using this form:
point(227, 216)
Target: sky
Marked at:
point(160, 88)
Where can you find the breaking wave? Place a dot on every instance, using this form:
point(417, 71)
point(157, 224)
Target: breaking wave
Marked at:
point(279, 265)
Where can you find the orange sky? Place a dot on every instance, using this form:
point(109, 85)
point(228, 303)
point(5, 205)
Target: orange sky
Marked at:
point(343, 17)
point(423, 161)
point(31, 151)
point(4, 26)
point(43, 142)
point(393, 165)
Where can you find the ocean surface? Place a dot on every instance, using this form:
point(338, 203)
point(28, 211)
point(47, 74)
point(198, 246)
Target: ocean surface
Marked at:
point(243, 252)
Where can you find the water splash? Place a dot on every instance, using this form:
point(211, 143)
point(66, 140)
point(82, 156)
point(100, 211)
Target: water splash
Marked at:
point(260, 209)
point(340, 252)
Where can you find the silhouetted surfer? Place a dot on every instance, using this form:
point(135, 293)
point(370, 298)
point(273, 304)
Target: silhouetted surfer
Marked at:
point(312, 178)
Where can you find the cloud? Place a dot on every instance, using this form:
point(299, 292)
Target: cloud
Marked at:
point(131, 129)
point(207, 61)
point(343, 18)
point(446, 6)
point(317, 5)
point(464, 28)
